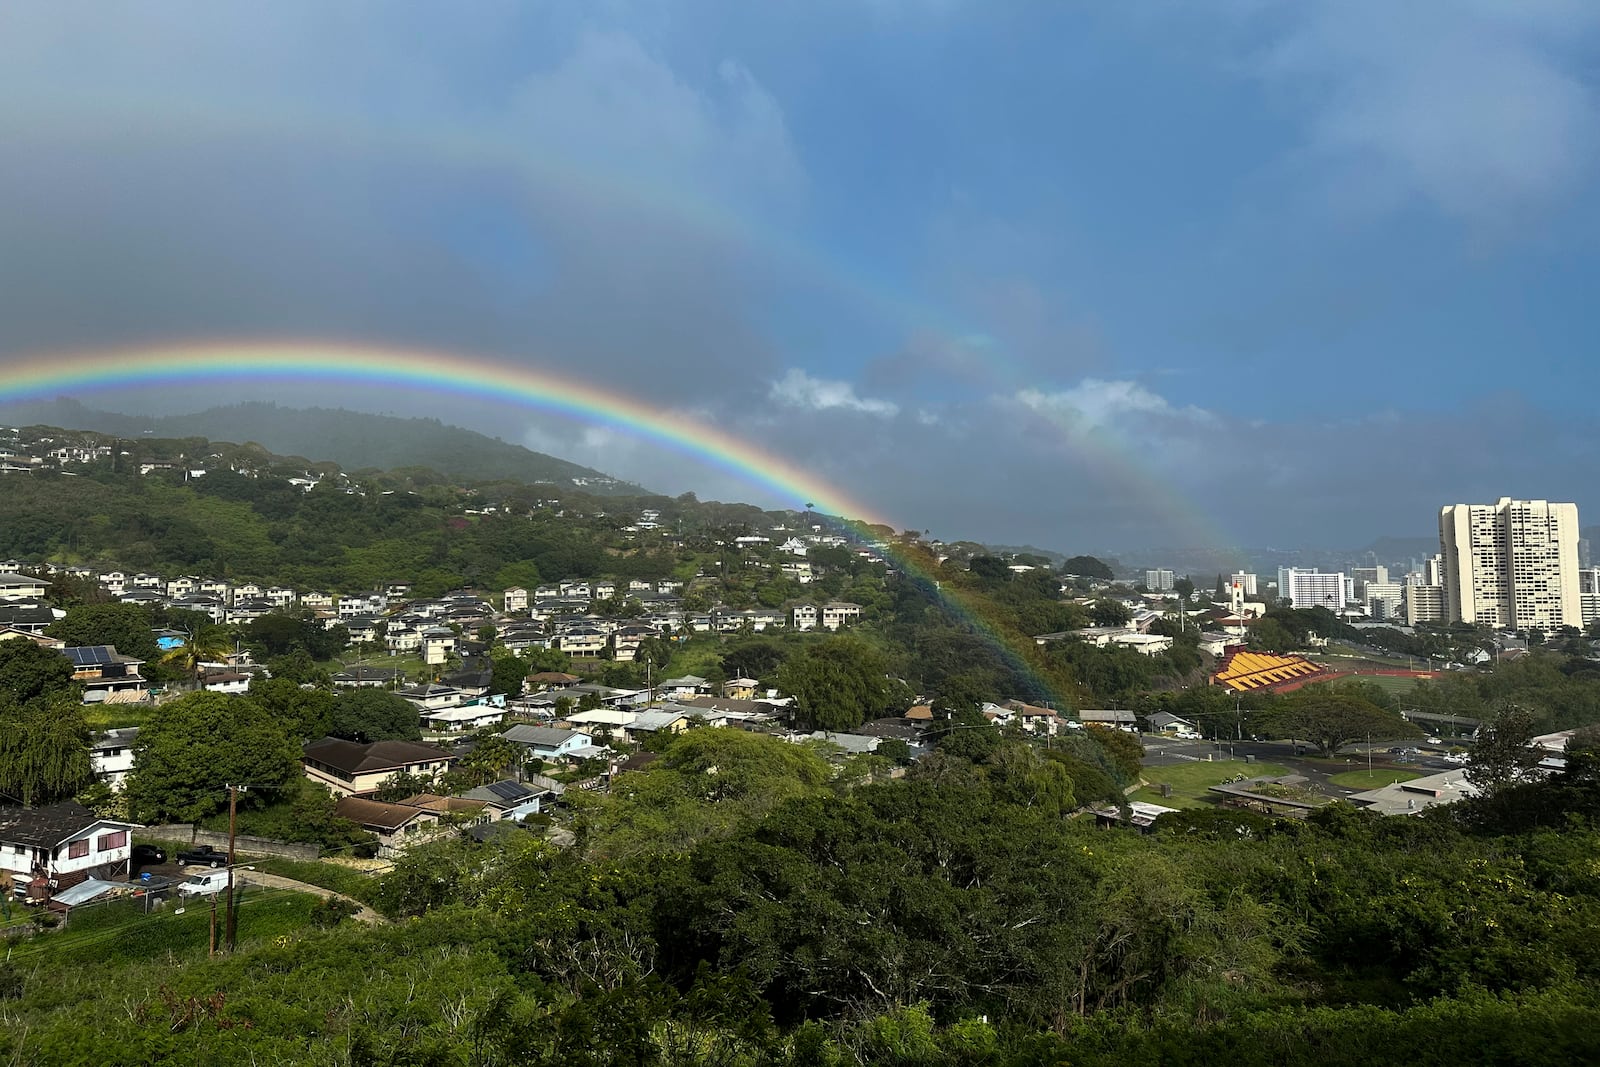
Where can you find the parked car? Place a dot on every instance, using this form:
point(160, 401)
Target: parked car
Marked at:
point(146, 855)
point(203, 885)
point(202, 855)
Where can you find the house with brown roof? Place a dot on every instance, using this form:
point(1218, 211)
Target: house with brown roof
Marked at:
point(351, 769)
point(397, 826)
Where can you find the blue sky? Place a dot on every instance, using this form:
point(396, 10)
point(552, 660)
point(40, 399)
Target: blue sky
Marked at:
point(1085, 275)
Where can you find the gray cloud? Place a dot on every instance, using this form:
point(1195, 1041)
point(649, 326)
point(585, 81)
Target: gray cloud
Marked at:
point(1477, 108)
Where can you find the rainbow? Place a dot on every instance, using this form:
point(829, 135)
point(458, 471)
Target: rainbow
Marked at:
point(310, 363)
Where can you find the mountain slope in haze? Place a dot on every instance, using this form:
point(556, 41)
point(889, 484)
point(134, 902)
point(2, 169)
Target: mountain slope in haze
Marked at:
point(351, 439)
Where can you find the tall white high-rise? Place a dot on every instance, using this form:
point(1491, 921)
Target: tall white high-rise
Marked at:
point(1306, 588)
point(1245, 579)
point(1513, 563)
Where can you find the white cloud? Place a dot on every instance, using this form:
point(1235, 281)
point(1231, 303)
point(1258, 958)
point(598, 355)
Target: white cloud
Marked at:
point(1095, 402)
point(797, 389)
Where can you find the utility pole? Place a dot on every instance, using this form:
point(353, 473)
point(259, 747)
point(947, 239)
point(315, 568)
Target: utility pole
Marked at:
point(212, 950)
point(231, 925)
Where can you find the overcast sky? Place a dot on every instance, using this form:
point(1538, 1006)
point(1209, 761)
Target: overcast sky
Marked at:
point(1084, 275)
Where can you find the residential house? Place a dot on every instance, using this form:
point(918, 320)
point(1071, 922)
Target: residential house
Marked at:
point(111, 756)
point(1115, 719)
point(9, 632)
point(432, 697)
point(362, 677)
point(509, 799)
point(839, 613)
point(803, 617)
point(397, 826)
point(514, 600)
point(26, 616)
point(437, 645)
point(552, 745)
point(463, 717)
point(63, 843)
point(1169, 725)
point(402, 639)
point(669, 720)
point(348, 768)
point(741, 688)
point(584, 641)
point(690, 685)
point(317, 601)
point(22, 587)
point(107, 676)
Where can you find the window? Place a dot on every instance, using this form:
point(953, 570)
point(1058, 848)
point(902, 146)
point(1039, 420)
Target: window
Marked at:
point(110, 841)
point(76, 850)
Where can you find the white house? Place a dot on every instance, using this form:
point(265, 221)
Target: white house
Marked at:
point(804, 616)
point(64, 843)
point(838, 613)
point(111, 756)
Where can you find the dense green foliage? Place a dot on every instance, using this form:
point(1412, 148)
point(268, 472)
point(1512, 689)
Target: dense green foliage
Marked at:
point(957, 918)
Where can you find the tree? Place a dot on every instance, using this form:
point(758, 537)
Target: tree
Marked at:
point(1332, 720)
point(837, 684)
point(1504, 754)
point(367, 715)
point(1109, 613)
point(1123, 749)
point(1087, 567)
point(193, 747)
point(509, 673)
point(127, 627)
point(207, 646)
point(990, 568)
point(1184, 587)
point(44, 748)
point(29, 671)
point(305, 713)
point(491, 758)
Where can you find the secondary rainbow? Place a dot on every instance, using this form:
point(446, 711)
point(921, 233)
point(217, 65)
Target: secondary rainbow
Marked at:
point(449, 372)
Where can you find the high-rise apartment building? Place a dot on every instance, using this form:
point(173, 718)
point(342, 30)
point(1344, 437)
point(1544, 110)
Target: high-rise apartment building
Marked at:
point(1513, 563)
point(1384, 600)
point(1424, 603)
point(1589, 594)
point(1245, 580)
point(1305, 588)
point(1159, 580)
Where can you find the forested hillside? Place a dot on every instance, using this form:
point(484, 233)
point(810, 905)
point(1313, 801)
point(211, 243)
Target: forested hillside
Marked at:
point(352, 439)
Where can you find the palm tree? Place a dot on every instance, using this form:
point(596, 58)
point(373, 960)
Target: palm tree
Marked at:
point(207, 646)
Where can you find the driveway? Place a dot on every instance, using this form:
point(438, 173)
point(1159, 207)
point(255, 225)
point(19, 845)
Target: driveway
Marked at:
point(278, 881)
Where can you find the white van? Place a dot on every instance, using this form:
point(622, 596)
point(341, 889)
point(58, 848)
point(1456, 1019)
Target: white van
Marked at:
point(203, 885)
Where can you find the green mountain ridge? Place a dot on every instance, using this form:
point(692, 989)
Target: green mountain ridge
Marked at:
point(354, 440)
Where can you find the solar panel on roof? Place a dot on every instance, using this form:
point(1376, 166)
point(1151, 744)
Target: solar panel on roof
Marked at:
point(90, 656)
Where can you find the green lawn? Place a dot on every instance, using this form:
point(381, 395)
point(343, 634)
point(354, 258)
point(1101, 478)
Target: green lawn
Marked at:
point(1388, 683)
point(113, 716)
point(1190, 781)
point(119, 930)
point(1379, 776)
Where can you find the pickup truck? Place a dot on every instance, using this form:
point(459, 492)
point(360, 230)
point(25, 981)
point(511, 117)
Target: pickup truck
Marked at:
point(202, 855)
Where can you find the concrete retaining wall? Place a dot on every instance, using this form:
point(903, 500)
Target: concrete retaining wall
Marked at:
point(186, 834)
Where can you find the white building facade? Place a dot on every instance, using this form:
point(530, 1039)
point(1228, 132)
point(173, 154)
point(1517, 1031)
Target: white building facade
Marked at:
point(1511, 564)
